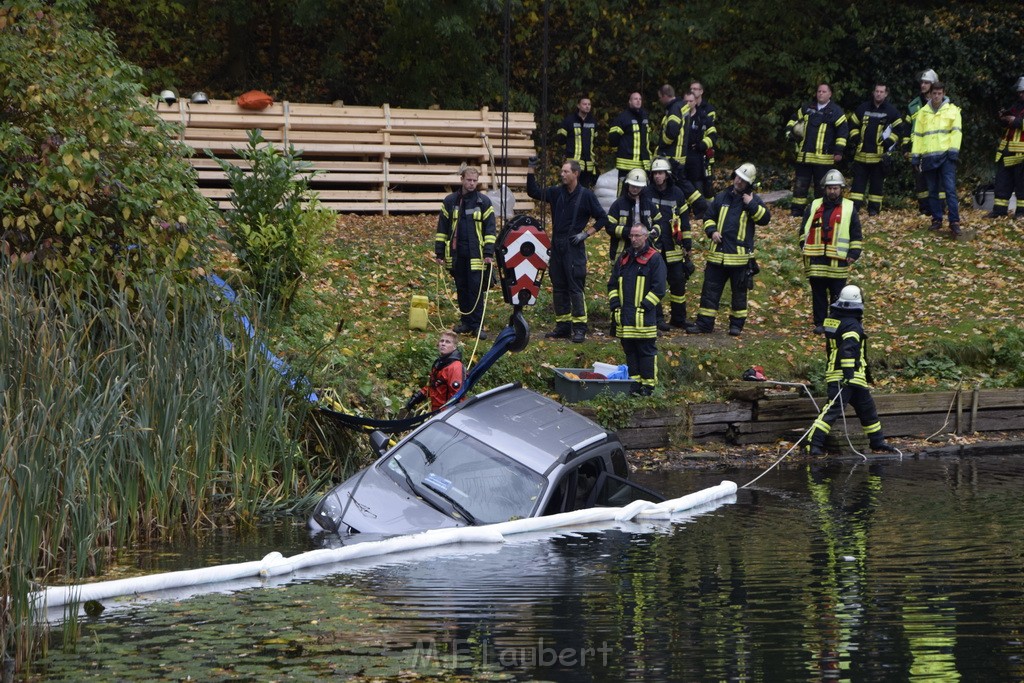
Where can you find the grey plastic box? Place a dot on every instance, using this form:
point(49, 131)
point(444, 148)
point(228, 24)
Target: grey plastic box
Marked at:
point(576, 390)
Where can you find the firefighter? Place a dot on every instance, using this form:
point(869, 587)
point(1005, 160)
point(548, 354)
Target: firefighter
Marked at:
point(629, 135)
point(672, 145)
point(830, 239)
point(635, 290)
point(447, 374)
point(730, 225)
point(633, 206)
point(672, 197)
point(846, 371)
point(572, 207)
point(925, 80)
point(1010, 158)
point(577, 132)
point(464, 242)
point(820, 130)
point(935, 151)
point(701, 140)
point(874, 132)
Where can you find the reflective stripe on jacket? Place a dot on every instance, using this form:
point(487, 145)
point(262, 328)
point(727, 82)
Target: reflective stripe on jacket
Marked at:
point(628, 134)
point(635, 290)
point(825, 250)
point(936, 134)
point(476, 209)
point(728, 216)
point(825, 133)
point(578, 136)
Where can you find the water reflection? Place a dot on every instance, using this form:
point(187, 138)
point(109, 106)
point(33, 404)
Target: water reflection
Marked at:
point(860, 572)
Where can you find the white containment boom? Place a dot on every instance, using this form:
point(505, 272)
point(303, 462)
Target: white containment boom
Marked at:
point(274, 564)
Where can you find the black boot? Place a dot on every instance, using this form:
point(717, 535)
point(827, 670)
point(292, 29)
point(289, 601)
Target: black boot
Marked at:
point(883, 447)
point(579, 333)
point(561, 331)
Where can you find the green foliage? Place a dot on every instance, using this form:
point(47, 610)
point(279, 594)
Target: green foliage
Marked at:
point(123, 420)
point(91, 182)
point(276, 225)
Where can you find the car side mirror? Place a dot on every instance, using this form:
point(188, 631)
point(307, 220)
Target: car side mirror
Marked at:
point(380, 442)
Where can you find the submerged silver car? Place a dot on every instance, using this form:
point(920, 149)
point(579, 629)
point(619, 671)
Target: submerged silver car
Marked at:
point(508, 453)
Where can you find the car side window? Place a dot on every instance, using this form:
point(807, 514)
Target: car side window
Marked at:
point(575, 486)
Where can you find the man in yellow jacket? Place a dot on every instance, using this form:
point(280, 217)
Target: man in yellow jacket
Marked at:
point(935, 152)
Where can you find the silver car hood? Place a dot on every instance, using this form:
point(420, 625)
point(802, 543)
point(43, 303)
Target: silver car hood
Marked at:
point(380, 505)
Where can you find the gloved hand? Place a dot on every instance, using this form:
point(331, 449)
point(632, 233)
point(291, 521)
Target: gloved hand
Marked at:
point(710, 153)
point(414, 400)
point(579, 237)
point(954, 155)
point(888, 144)
point(846, 381)
point(614, 306)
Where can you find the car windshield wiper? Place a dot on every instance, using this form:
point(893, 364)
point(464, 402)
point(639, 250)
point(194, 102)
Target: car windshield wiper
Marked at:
point(412, 485)
point(459, 507)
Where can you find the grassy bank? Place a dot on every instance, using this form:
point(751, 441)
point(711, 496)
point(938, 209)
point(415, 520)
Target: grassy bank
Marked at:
point(938, 311)
point(125, 421)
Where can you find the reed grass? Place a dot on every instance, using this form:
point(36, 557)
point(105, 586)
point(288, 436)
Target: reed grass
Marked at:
point(125, 419)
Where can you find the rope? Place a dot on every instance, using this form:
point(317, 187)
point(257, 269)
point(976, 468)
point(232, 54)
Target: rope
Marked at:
point(956, 393)
point(797, 443)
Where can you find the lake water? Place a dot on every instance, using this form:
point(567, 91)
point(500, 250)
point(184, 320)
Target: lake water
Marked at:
point(889, 571)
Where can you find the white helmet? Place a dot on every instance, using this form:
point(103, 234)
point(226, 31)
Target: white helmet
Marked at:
point(199, 97)
point(929, 75)
point(169, 97)
point(1020, 84)
point(661, 164)
point(637, 178)
point(746, 172)
point(834, 177)
point(850, 299)
point(799, 128)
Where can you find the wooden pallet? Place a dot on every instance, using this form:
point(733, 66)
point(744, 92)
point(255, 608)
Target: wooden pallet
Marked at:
point(363, 159)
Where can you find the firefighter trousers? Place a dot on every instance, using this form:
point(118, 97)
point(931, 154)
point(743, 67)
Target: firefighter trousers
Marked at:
point(1009, 181)
point(805, 185)
point(676, 281)
point(716, 276)
point(863, 404)
point(568, 271)
point(469, 292)
point(642, 359)
point(867, 185)
point(696, 173)
point(824, 290)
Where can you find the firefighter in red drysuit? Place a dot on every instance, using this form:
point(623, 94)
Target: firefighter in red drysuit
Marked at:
point(447, 374)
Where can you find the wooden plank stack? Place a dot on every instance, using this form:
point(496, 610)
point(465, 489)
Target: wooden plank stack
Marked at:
point(367, 159)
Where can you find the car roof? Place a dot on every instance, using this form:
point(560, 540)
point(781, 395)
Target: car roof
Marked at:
point(528, 427)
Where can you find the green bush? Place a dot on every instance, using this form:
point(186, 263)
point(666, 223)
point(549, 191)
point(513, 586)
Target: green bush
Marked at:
point(91, 181)
point(276, 237)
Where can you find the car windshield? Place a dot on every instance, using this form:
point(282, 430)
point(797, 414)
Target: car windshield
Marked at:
point(485, 483)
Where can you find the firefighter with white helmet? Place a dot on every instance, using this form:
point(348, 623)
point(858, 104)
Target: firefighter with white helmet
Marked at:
point(633, 206)
point(673, 197)
point(830, 241)
point(730, 224)
point(847, 374)
point(1010, 157)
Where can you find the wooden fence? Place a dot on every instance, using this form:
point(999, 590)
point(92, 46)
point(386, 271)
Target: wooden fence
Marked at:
point(367, 159)
point(764, 417)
